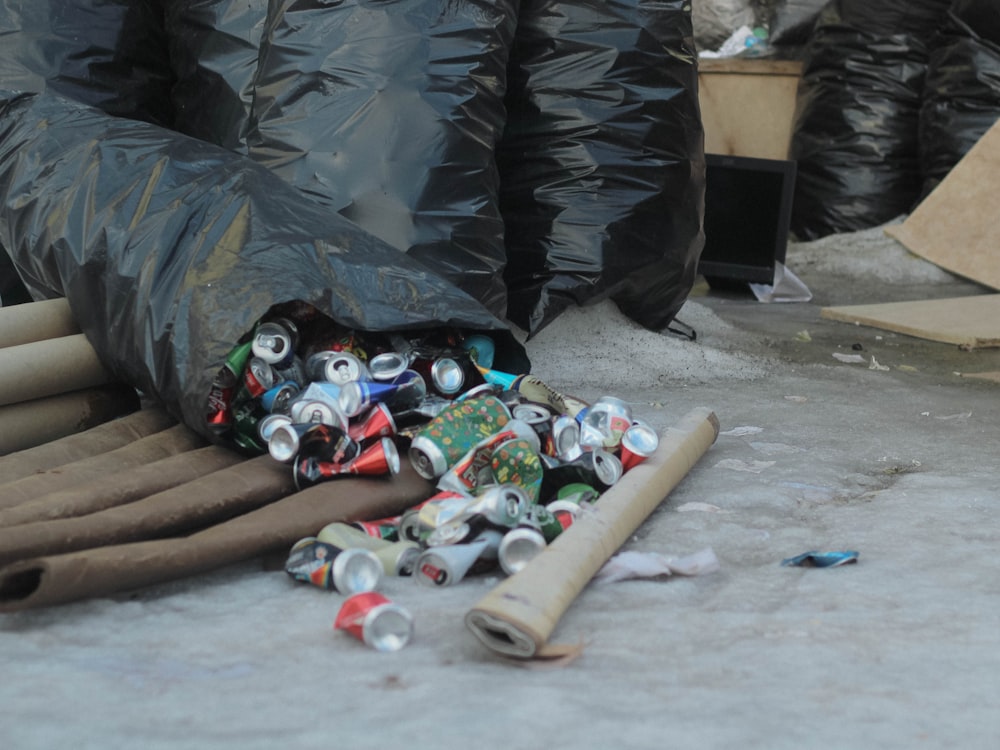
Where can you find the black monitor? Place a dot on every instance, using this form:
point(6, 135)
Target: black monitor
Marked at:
point(748, 209)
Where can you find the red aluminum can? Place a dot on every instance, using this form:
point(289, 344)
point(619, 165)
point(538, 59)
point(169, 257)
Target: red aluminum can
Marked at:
point(373, 619)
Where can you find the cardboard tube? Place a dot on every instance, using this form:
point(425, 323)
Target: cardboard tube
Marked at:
point(517, 617)
point(204, 501)
point(100, 439)
point(36, 321)
point(103, 571)
point(31, 423)
point(45, 368)
point(169, 442)
point(121, 488)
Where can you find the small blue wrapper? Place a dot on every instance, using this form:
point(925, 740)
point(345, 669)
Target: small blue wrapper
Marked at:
point(814, 559)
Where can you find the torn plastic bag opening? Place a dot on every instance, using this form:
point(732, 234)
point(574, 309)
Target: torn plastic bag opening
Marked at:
point(169, 249)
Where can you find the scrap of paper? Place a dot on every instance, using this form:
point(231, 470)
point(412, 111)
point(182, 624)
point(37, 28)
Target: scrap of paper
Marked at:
point(630, 564)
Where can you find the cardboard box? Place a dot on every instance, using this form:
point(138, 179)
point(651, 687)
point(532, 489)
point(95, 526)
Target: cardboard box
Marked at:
point(748, 105)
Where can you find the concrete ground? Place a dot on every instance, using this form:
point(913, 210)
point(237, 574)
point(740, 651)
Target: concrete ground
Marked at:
point(901, 650)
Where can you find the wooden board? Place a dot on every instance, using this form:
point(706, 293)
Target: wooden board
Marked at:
point(748, 106)
point(957, 226)
point(972, 322)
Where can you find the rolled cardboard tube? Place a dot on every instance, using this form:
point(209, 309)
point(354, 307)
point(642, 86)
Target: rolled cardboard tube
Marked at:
point(103, 571)
point(29, 424)
point(91, 442)
point(206, 500)
point(36, 321)
point(519, 615)
point(121, 488)
point(168, 442)
point(45, 368)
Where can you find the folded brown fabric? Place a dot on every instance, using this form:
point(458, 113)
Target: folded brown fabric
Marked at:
point(121, 488)
point(207, 500)
point(29, 424)
point(168, 442)
point(107, 570)
point(100, 439)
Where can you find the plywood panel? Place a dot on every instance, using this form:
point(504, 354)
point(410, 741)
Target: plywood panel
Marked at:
point(957, 226)
point(973, 322)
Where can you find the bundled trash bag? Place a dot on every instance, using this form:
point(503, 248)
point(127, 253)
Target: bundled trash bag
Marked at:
point(169, 249)
point(111, 54)
point(961, 98)
point(982, 17)
point(388, 112)
point(790, 22)
point(108, 53)
point(214, 46)
point(920, 18)
point(857, 113)
point(602, 160)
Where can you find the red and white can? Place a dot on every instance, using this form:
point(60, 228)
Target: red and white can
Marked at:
point(372, 618)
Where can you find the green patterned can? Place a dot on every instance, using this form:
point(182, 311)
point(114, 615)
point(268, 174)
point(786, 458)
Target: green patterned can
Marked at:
point(516, 462)
point(445, 439)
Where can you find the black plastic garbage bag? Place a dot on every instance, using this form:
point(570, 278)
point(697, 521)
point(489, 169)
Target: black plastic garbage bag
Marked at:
point(108, 53)
point(855, 131)
point(169, 249)
point(388, 111)
point(961, 99)
point(790, 22)
point(602, 160)
point(981, 16)
point(921, 18)
point(111, 54)
point(214, 45)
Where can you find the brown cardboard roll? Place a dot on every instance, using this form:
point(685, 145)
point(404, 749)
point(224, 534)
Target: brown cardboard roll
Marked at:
point(519, 615)
point(121, 488)
point(169, 442)
point(92, 442)
point(108, 570)
point(31, 423)
point(206, 500)
point(44, 368)
point(36, 321)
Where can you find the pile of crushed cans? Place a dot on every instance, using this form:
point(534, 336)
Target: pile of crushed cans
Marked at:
point(513, 460)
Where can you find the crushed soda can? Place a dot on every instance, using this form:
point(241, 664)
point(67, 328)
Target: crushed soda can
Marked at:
point(397, 558)
point(604, 423)
point(814, 559)
point(520, 546)
point(447, 564)
point(378, 459)
point(516, 462)
point(637, 444)
point(274, 341)
point(475, 469)
point(376, 621)
point(327, 566)
point(451, 434)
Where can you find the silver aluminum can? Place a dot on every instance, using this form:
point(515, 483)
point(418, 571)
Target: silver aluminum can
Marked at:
point(609, 417)
point(344, 367)
point(518, 547)
point(274, 343)
point(388, 365)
